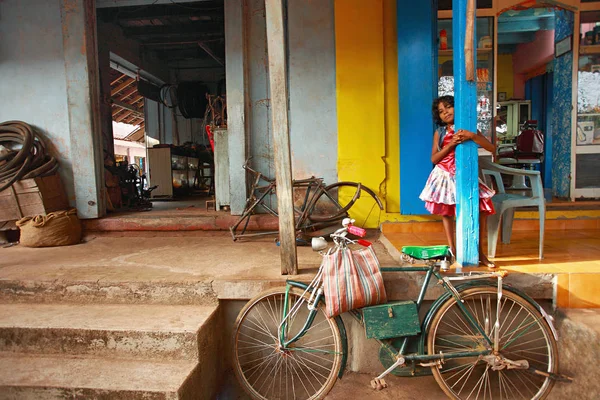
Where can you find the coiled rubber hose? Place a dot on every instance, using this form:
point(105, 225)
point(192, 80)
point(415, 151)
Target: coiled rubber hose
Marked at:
point(29, 161)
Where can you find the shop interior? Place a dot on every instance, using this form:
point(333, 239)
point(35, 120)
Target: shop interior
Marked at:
point(164, 82)
point(524, 77)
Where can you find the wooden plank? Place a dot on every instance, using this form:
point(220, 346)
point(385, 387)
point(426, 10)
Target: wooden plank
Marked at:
point(465, 117)
point(281, 136)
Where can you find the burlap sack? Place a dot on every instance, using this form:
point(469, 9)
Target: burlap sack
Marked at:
point(60, 228)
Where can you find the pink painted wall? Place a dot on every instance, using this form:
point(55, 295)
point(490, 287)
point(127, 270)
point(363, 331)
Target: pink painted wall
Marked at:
point(529, 56)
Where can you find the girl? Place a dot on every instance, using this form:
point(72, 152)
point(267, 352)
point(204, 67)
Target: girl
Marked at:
point(439, 193)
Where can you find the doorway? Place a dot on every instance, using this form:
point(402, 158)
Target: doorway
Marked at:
point(166, 69)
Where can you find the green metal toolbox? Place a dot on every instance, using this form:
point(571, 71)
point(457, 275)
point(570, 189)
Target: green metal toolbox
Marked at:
point(391, 320)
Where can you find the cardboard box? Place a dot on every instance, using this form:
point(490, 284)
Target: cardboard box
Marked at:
point(31, 197)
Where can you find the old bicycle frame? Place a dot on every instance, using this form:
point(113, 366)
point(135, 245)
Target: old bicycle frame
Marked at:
point(284, 347)
point(320, 206)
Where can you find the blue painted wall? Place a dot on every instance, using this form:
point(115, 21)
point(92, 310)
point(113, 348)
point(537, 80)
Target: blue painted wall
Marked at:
point(562, 104)
point(417, 87)
point(549, 134)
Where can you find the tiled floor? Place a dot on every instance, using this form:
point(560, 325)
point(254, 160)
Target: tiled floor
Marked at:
point(574, 255)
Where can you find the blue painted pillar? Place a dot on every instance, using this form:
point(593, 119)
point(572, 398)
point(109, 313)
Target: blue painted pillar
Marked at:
point(465, 117)
point(417, 87)
point(562, 104)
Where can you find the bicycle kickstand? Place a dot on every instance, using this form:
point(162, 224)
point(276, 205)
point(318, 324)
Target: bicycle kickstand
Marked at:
point(379, 383)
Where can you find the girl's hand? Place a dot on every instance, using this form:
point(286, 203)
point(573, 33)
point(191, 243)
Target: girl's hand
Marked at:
point(465, 135)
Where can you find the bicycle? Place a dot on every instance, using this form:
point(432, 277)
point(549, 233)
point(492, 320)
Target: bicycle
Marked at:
point(480, 339)
point(317, 207)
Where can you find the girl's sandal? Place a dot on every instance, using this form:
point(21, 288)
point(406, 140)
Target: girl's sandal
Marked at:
point(487, 263)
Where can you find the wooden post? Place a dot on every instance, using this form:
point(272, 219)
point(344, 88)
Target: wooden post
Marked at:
point(281, 136)
point(465, 117)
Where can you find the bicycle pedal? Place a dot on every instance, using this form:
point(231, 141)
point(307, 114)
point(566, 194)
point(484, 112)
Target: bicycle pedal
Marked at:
point(378, 384)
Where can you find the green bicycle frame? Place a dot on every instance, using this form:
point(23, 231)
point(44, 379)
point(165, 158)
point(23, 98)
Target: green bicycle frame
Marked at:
point(430, 271)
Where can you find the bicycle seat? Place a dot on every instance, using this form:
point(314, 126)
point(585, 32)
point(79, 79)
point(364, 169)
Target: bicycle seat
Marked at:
point(427, 252)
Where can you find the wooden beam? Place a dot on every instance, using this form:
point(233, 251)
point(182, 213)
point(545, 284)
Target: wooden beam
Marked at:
point(465, 117)
point(126, 106)
point(281, 134)
point(209, 51)
point(127, 93)
point(126, 114)
point(174, 30)
point(121, 87)
point(117, 80)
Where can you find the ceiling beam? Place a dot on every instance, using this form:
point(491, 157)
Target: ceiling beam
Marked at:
point(208, 14)
point(131, 3)
point(175, 30)
point(160, 39)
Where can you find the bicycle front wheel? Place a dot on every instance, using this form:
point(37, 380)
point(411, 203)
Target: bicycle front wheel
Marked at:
point(307, 369)
point(524, 336)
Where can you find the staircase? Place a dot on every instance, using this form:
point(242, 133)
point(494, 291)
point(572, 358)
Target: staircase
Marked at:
point(98, 342)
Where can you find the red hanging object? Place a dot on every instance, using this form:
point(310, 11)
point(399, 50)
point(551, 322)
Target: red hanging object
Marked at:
point(211, 138)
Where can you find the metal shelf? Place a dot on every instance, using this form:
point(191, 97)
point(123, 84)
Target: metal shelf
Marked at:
point(590, 49)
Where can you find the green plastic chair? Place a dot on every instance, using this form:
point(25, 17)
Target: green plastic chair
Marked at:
point(505, 203)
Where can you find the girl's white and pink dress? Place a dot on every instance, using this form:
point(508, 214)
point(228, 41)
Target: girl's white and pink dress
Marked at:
point(439, 193)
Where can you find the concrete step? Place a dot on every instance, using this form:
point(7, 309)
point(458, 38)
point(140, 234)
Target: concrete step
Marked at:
point(177, 222)
point(579, 352)
point(41, 377)
point(86, 290)
point(112, 330)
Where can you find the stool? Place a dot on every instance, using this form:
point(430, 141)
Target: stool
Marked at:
point(210, 205)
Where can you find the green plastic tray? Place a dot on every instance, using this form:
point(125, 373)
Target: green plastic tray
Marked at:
point(426, 252)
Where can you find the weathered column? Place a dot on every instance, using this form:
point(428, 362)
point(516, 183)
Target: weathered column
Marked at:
point(235, 67)
point(78, 20)
point(465, 117)
point(281, 136)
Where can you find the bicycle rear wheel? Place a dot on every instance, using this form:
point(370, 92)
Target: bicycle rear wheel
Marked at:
point(342, 199)
point(308, 369)
point(524, 336)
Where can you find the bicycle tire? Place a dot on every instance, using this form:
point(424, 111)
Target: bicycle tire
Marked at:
point(329, 207)
point(295, 374)
point(521, 325)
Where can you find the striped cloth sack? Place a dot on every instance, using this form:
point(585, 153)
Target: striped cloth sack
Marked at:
point(352, 279)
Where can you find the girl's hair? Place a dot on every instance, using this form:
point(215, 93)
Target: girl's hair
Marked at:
point(448, 102)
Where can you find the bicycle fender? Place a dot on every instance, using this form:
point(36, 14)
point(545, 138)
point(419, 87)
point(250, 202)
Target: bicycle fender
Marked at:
point(339, 323)
point(442, 299)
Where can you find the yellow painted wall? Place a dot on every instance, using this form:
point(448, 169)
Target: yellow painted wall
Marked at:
point(505, 75)
point(361, 95)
